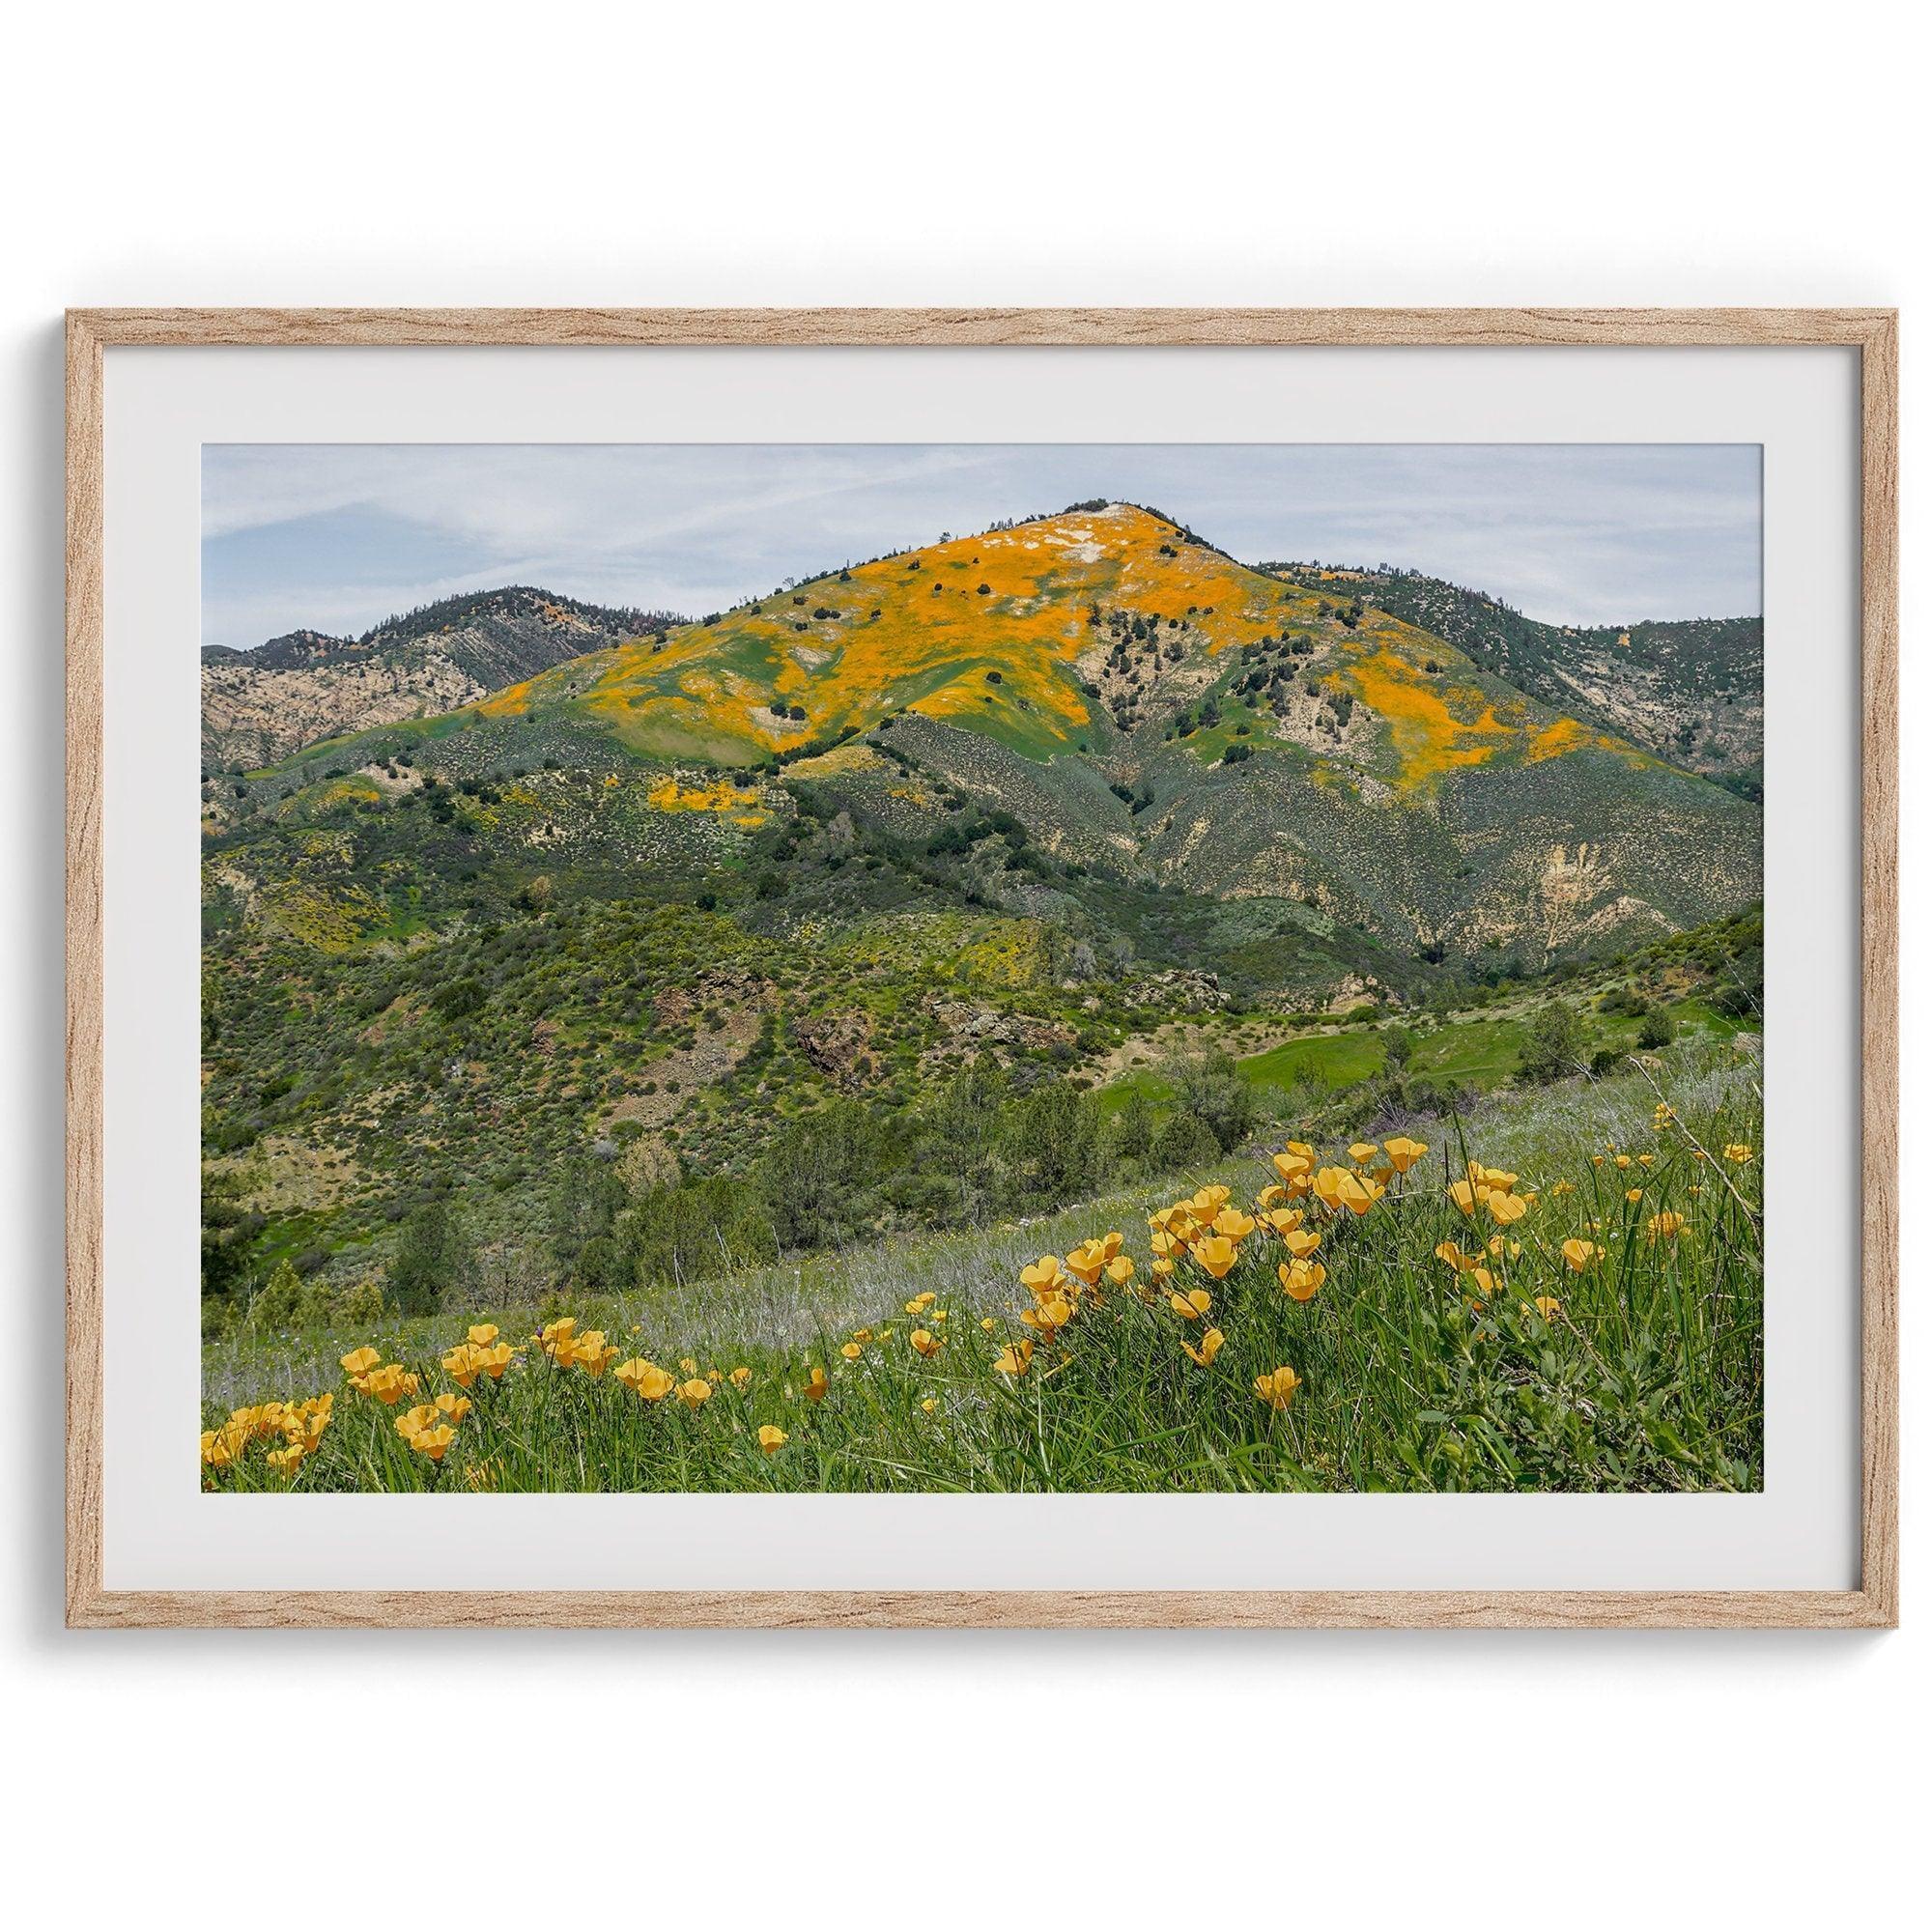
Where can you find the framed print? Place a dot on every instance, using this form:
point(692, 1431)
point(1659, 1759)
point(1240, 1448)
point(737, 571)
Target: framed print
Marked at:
point(982, 967)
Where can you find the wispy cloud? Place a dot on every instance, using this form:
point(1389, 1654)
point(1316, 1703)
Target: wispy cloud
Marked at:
point(340, 535)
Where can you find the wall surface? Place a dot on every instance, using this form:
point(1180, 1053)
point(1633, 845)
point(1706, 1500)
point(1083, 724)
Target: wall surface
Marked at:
point(841, 154)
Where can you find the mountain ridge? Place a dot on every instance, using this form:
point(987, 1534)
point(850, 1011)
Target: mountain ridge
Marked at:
point(263, 705)
point(1145, 706)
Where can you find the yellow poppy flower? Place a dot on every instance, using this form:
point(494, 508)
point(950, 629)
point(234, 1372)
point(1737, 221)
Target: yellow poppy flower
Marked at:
point(861, 1335)
point(1044, 1277)
point(1087, 1261)
point(1363, 1152)
point(1404, 1152)
point(1623, 1160)
point(925, 1341)
point(1300, 1281)
point(390, 1383)
point(920, 1303)
point(1120, 1270)
point(1162, 1268)
point(1634, 1194)
point(460, 1364)
point(1580, 1254)
point(1207, 1202)
point(852, 1351)
point(695, 1393)
point(1335, 1187)
point(455, 1406)
point(1210, 1347)
point(1295, 1170)
point(1192, 1305)
point(815, 1385)
point(987, 1323)
point(771, 1438)
point(1664, 1227)
point(1214, 1255)
point(1507, 1207)
point(287, 1460)
point(360, 1361)
point(1548, 1307)
point(483, 1334)
point(433, 1443)
point(1284, 1220)
point(1300, 1243)
point(1014, 1358)
point(646, 1379)
point(1737, 1153)
point(1233, 1224)
point(689, 1364)
point(1049, 1314)
point(930, 1406)
point(1277, 1388)
point(592, 1354)
point(1270, 1196)
point(740, 1377)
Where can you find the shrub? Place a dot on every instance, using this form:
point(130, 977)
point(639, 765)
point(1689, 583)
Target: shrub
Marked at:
point(1184, 1141)
point(1208, 1087)
point(1554, 1044)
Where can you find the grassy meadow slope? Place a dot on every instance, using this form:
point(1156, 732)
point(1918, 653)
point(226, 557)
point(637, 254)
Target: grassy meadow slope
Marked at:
point(1587, 1319)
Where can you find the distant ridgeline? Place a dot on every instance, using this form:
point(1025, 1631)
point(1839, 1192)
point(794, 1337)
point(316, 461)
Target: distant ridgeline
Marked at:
point(263, 704)
point(1690, 689)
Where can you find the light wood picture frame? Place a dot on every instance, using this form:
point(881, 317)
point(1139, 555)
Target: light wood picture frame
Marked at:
point(1872, 334)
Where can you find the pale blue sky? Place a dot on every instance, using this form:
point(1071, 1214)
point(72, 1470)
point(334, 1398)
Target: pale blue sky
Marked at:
point(339, 535)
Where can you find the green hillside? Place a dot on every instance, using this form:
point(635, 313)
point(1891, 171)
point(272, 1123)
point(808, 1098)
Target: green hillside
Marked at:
point(825, 918)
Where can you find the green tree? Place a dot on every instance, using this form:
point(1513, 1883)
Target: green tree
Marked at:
point(1134, 1129)
point(1053, 1144)
point(432, 1260)
point(1186, 1142)
point(1209, 1086)
point(1554, 1046)
point(1657, 1030)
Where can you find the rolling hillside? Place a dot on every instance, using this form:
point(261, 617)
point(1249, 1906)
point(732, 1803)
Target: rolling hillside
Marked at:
point(1148, 709)
point(894, 861)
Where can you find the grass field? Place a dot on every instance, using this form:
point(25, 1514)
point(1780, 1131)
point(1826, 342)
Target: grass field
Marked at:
point(1479, 1051)
point(1632, 1361)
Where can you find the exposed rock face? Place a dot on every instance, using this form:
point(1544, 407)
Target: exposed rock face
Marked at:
point(262, 705)
point(1186, 987)
point(837, 1044)
point(1357, 990)
point(973, 1026)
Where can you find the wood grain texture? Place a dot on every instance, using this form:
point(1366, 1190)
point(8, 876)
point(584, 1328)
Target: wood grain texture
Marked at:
point(84, 964)
point(1370, 328)
point(1873, 332)
point(1879, 946)
point(996, 1609)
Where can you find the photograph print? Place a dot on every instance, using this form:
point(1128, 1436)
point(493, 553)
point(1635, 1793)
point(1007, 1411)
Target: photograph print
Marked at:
point(972, 969)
